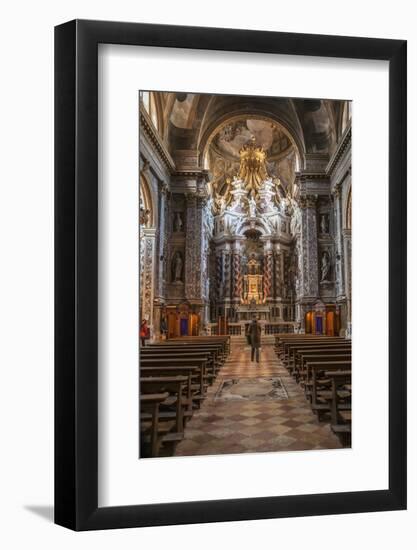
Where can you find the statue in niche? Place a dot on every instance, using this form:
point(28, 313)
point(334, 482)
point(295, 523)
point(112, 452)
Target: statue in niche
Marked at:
point(177, 265)
point(325, 267)
point(252, 207)
point(219, 204)
point(178, 223)
point(295, 224)
point(324, 224)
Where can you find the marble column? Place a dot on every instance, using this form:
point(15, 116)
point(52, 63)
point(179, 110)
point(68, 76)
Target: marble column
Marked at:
point(148, 276)
point(219, 276)
point(226, 274)
point(268, 271)
point(309, 287)
point(194, 248)
point(339, 264)
point(347, 253)
point(277, 274)
point(162, 245)
point(236, 273)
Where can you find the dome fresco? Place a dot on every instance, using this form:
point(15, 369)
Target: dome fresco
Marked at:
point(227, 144)
point(234, 135)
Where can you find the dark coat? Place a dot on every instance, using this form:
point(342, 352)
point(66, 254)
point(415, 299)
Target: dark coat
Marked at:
point(254, 333)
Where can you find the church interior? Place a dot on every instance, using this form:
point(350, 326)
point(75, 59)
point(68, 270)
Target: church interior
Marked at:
point(245, 219)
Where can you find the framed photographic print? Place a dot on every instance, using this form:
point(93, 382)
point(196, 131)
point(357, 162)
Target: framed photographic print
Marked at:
point(230, 275)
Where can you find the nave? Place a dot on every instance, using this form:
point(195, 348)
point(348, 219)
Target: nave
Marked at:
point(258, 423)
point(204, 396)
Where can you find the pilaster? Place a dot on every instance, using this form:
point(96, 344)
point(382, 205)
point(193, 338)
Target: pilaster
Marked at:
point(309, 287)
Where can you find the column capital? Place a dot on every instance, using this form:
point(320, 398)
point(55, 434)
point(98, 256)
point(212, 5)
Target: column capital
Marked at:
point(337, 190)
point(149, 232)
point(163, 187)
point(144, 166)
point(191, 199)
point(308, 201)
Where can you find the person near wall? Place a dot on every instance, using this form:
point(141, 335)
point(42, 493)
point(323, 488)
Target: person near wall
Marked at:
point(255, 339)
point(145, 332)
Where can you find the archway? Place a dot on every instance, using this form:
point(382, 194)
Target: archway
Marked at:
point(218, 124)
point(147, 251)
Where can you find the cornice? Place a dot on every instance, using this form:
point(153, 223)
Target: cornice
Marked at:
point(148, 128)
point(340, 151)
point(304, 175)
point(190, 173)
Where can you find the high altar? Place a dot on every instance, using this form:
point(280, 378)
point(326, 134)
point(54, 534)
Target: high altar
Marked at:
point(252, 244)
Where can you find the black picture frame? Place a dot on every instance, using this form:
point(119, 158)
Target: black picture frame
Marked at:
point(76, 272)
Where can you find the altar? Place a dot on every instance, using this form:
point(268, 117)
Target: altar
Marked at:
point(246, 312)
point(253, 289)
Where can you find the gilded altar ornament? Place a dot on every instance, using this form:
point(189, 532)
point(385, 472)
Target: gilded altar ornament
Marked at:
point(252, 181)
point(252, 167)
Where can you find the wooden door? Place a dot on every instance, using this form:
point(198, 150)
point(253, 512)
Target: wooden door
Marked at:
point(194, 322)
point(308, 322)
point(173, 329)
point(330, 323)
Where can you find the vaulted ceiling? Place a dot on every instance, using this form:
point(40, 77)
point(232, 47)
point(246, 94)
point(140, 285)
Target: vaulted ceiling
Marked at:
point(215, 127)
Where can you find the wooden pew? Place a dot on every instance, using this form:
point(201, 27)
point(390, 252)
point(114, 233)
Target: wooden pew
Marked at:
point(223, 342)
point(319, 405)
point(215, 349)
point(306, 378)
point(150, 404)
point(193, 386)
point(176, 387)
point(212, 366)
point(341, 417)
point(281, 339)
point(284, 343)
point(290, 350)
point(308, 354)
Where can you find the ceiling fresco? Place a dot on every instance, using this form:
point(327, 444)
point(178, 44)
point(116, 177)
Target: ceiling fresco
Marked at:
point(225, 147)
point(213, 129)
point(233, 136)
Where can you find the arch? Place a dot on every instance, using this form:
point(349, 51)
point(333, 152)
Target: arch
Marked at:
point(147, 211)
point(345, 116)
point(207, 136)
point(348, 210)
point(153, 105)
point(245, 225)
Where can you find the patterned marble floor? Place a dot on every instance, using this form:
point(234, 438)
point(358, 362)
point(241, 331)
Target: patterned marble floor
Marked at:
point(246, 426)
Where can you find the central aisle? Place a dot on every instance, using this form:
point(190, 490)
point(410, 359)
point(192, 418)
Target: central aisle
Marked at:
point(254, 408)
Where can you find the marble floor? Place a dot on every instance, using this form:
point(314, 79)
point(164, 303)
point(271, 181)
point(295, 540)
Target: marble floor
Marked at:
point(260, 421)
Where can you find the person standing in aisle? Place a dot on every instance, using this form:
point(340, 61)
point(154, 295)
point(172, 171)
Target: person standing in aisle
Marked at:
point(255, 339)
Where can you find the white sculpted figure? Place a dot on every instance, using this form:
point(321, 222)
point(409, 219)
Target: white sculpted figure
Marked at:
point(222, 204)
point(295, 224)
point(177, 267)
point(252, 207)
point(268, 186)
point(325, 266)
point(178, 224)
point(323, 224)
point(237, 183)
